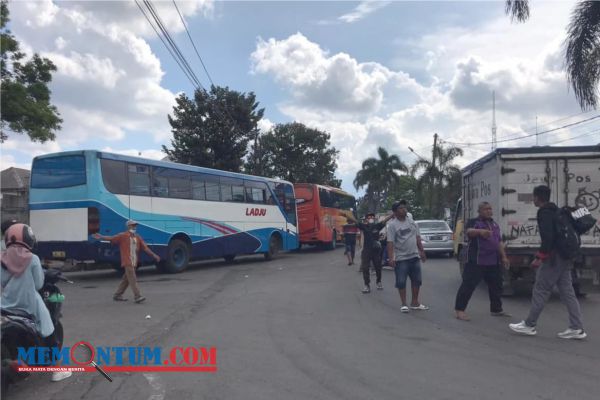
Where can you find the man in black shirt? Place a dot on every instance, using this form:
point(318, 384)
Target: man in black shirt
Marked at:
point(371, 251)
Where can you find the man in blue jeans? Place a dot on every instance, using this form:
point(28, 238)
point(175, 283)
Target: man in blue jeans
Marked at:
point(405, 252)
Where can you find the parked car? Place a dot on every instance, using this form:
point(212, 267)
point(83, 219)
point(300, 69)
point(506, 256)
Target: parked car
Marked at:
point(436, 236)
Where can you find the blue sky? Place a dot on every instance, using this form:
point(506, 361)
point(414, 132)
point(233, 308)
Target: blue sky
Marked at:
point(370, 73)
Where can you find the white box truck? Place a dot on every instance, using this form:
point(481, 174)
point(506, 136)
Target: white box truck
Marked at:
point(506, 178)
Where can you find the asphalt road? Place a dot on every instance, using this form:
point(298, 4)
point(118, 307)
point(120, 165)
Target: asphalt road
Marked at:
point(299, 328)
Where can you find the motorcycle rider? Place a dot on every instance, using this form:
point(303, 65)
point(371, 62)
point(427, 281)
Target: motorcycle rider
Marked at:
point(22, 277)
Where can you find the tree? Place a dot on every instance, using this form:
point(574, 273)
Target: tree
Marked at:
point(24, 93)
point(406, 189)
point(438, 178)
point(213, 130)
point(582, 48)
point(295, 153)
point(379, 175)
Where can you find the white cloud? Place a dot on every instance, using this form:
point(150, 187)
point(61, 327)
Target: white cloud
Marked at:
point(108, 81)
point(362, 10)
point(379, 106)
point(336, 83)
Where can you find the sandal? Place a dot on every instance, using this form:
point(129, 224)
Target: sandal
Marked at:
point(420, 307)
point(462, 316)
point(404, 309)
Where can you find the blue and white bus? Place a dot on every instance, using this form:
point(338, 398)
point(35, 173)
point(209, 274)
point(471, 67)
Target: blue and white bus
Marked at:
point(184, 212)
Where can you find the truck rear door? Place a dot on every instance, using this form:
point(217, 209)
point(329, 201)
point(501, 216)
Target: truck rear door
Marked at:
point(519, 177)
point(579, 183)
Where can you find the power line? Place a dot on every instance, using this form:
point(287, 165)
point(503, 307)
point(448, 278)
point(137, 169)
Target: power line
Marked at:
point(580, 136)
point(174, 46)
point(518, 134)
point(166, 45)
point(169, 43)
point(193, 44)
point(523, 137)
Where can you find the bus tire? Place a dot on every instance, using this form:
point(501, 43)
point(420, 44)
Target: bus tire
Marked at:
point(178, 257)
point(229, 258)
point(274, 247)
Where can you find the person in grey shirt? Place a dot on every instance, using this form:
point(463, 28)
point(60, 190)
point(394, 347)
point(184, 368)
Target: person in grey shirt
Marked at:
point(405, 252)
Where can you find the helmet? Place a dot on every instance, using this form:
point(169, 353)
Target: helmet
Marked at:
point(20, 234)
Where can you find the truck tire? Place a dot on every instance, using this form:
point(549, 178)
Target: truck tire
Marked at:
point(178, 257)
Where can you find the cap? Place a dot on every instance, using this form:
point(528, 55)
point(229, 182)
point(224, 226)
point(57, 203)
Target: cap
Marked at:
point(397, 204)
point(131, 222)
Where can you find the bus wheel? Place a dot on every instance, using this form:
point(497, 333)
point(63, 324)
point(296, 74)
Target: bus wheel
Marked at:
point(229, 258)
point(178, 257)
point(274, 247)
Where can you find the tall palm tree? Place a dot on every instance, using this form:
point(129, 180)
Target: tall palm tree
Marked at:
point(379, 175)
point(582, 59)
point(437, 174)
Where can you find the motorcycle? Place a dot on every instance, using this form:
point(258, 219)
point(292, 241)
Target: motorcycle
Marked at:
point(18, 328)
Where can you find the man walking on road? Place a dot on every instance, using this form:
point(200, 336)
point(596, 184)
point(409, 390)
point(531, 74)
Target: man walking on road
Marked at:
point(485, 252)
point(350, 232)
point(371, 251)
point(405, 251)
point(552, 269)
point(130, 244)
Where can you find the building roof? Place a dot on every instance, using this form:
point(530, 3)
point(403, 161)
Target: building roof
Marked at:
point(14, 178)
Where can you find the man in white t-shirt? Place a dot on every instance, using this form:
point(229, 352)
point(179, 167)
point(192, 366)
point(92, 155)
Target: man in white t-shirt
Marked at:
point(406, 252)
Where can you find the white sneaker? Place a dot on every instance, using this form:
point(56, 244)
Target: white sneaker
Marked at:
point(523, 329)
point(573, 334)
point(58, 376)
point(366, 289)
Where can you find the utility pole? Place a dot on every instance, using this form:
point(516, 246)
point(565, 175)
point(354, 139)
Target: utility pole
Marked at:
point(494, 121)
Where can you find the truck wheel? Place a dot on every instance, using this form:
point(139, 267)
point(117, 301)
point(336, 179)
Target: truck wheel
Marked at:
point(274, 247)
point(178, 257)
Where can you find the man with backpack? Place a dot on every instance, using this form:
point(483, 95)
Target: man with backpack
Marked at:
point(554, 260)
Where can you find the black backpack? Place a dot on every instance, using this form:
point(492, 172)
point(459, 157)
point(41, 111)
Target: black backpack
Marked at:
point(566, 241)
point(583, 221)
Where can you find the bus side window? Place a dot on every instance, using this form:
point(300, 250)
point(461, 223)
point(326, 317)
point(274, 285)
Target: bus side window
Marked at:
point(198, 187)
point(256, 192)
point(160, 182)
point(179, 184)
point(212, 187)
point(139, 180)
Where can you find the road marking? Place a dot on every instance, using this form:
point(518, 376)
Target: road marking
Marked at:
point(158, 387)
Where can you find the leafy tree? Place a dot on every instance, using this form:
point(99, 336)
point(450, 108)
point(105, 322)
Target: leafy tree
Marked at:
point(24, 93)
point(406, 189)
point(213, 129)
point(295, 153)
point(379, 175)
point(438, 178)
point(582, 48)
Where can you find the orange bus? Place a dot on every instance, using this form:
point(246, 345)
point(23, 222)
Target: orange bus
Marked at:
point(322, 212)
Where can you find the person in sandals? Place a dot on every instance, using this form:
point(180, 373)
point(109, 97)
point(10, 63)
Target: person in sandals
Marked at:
point(130, 244)
point(405, 252)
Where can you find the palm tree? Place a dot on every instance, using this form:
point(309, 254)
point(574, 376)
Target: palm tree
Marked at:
point(582, 59)
point(438, 173)
point(379, 175)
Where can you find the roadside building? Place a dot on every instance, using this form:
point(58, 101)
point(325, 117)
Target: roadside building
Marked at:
point(14, 194)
